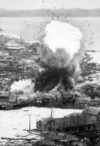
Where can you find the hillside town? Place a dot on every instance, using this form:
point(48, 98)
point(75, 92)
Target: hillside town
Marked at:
point(49, 73)
point(21, 61)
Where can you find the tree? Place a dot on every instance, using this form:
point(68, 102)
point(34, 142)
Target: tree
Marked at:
point(87, 67)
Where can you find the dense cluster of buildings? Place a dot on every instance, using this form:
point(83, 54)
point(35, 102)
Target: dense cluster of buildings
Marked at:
point(85, 126)
point(15, 58)
point(89, 119)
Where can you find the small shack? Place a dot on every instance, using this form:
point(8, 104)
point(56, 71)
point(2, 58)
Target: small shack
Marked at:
point(50, 124)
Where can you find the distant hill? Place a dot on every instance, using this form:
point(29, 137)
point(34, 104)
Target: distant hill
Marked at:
point(50, 12)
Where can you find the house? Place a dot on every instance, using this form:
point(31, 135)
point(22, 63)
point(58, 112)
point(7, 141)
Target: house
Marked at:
point(81, 103)
point(40, 125)
point(50, 124)
point(73, 120)
point(35, 48)
point(94, 102)
point(92, 115)
point(4, 97)
point(13, 44)
point(77, 123)
point(60, 124)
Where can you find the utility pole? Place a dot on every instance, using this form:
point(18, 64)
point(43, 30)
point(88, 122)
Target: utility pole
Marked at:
point(51, 112)
point(51, 109)
point(29, 123)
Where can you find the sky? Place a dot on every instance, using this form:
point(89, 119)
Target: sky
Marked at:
point(36, 4)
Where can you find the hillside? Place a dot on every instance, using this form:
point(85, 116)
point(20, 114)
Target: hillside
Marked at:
point(21, 61)
point(17, 61)
point(50, 12)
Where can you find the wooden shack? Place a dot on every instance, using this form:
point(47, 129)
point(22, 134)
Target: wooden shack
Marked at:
point(50, 124)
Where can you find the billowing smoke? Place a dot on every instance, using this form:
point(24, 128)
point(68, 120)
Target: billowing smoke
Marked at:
point(23, 88)
point(61, 55)
point(51, 77)
point(21, 85)
point(63, 35)
point(63, 45)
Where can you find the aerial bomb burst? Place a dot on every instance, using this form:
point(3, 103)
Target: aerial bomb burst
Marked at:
point(63, 35)
point(50, 77)
point(61, 55)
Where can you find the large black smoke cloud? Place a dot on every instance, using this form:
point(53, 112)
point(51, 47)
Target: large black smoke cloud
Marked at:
point(50, 77)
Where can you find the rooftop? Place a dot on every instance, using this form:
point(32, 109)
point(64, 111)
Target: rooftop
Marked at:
point(92, 110)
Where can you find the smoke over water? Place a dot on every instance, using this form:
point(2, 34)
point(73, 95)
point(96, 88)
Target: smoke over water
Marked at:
point(62, 55)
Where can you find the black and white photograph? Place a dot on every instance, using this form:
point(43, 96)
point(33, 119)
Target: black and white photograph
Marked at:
point(49, 72)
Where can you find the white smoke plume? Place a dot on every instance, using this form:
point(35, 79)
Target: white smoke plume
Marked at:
point(26, 87)
point(63, 35)
point(21, 85)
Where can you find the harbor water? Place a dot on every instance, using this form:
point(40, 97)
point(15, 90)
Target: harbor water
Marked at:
point(15, 123)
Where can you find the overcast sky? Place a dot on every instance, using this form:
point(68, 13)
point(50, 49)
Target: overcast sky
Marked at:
point(36, 4)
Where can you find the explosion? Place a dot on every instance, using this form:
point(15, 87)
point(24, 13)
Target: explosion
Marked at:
point(25, 87)
point(61, 56)
point(22, 85)
point(51, 77)
point(63, 35)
